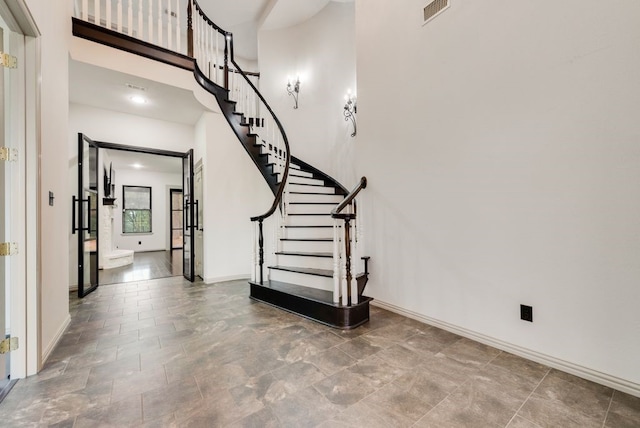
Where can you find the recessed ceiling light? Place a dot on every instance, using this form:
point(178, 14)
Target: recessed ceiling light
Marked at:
point(138, 99)
point(137, 165)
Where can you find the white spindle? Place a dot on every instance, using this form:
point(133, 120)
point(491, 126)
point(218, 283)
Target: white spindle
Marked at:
point(217, 69)
point(336, 261)
point(254, 258)
point(140, 32)
point(150, 20)
point(96, 12)
point(354, 284)
point(159, 23)
point(178, 28)
point(130, 18)
point(108, 20)
point(343, 266)
point(276, 218)
point(208, 49)
point(169, 26)
point(119, 17)
point(85, 10)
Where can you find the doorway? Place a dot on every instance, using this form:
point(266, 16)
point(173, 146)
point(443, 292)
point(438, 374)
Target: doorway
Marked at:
point(120, 214)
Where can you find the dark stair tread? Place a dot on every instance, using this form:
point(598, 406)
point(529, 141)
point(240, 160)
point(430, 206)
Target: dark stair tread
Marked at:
point(307, 271)
point(305, 254)
point(308, 239)
point(310, 214)
point(313, 203)
point(298, 227)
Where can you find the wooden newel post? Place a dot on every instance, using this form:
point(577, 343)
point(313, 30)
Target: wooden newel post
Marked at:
point(260, 249)
point(347, 256)
point(189, 30)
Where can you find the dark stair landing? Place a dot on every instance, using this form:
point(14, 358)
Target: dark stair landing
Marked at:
point(311, 303)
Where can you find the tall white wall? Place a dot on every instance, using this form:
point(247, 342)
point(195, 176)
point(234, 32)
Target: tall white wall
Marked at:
point(321, 51)
point(234, 191)
point(54, 22)
point(160, 184)
point(501, 146)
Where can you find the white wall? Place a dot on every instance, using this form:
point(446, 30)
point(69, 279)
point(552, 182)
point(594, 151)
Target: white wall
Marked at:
point(321, 51)
point(233, 191)
point(501, 146)
point(159, 183)
point(54, 22)
point(120, 128)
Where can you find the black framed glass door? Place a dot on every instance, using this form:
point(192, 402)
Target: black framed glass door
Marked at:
point(188, 217)
point(175, 215)
point(85, 215)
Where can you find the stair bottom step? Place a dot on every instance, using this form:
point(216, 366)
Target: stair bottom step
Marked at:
point(311, 303)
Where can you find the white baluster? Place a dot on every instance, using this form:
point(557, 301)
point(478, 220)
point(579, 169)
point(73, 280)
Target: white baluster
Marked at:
point(208, 48)
point(108, 15)
point(85, 10)
point(217, 58)
point(336, 261)
point(178, 28)
point(150, 20)
point(276, 219)
point(254, 254)
point(354, 284)
point(119, 13)
point(169, 26)
point(343, 265)
point(130, 19)
point(159, 43)
point(140, 32)
point(96, 12)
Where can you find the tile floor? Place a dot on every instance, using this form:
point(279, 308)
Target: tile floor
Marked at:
point(146, 265)
point(167, 353)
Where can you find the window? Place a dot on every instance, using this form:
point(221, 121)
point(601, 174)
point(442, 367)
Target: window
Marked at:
point(136, 212)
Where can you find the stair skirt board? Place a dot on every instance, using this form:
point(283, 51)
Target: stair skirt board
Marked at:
point(294, 299)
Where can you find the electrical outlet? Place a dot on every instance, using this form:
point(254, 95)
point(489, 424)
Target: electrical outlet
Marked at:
point(526, 313)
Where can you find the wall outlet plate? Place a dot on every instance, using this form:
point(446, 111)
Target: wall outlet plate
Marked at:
point(526, 313)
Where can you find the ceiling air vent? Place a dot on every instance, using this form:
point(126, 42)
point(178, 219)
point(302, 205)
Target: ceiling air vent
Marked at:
point(435, 8)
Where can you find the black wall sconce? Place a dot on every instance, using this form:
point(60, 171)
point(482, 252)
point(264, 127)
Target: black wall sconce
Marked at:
point(350, 110)
point(294, 90)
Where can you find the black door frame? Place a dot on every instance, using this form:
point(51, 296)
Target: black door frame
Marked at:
point(186, 156)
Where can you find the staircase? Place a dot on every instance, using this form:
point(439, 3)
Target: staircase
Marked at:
point(312, 223)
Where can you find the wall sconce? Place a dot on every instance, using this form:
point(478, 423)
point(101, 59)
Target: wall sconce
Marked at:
point(294, 90)
point(350, 110)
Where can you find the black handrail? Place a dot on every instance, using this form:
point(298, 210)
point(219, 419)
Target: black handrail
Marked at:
point(336, 213)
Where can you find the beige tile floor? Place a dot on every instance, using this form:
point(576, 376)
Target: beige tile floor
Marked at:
point(167, 353)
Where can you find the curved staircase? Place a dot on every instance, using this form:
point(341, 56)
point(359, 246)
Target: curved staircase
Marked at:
point(312, 221)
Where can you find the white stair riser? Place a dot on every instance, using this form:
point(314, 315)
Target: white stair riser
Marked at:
point(305, 262)
point(308, 232)
point(310, 189)
point(311, 208)
point(306, 180)
point(293, 197)
point(308, 246)
point(309, 220)
point(313, 281)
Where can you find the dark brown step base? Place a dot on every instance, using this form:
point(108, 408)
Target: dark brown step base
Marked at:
point(316, 305)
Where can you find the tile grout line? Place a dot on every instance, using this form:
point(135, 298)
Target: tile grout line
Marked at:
point(528, 397)
point(606, 414)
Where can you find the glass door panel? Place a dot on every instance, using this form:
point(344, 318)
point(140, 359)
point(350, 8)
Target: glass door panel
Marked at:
point(176, 219)
point(86, 212)
point(188, 226)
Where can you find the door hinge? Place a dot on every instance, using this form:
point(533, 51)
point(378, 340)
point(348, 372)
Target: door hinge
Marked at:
point(8, 249)
point(8, 155)
point(8, 61)
point(8, 345)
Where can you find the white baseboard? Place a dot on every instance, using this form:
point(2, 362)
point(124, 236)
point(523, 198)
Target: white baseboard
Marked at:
point(246, 276)
point(56, 338)
point(565, 366)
